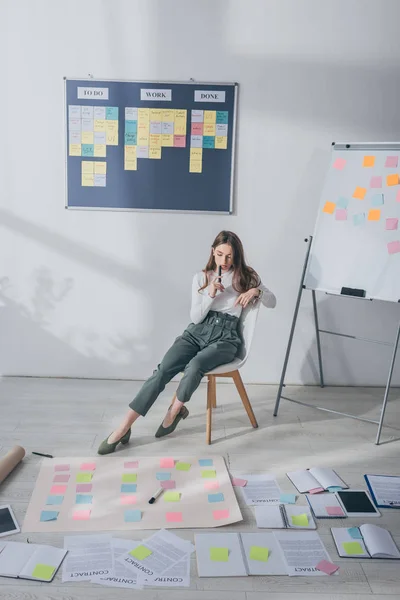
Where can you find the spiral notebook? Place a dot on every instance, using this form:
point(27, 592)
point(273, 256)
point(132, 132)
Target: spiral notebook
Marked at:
point(284, 516)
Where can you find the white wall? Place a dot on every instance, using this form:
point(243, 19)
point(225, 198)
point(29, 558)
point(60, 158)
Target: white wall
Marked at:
point(104, 294)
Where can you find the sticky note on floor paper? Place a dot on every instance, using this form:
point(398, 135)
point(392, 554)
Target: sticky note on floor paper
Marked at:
point(181, 466)
point(141, 552)
point(172, 496)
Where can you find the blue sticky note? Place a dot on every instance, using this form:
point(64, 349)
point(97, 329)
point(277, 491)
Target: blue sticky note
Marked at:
point(130, 138)
point(208, 141)
point(83, 499)
point(355, 533)
point(222, 116)
point(359, 219)
point(87, 149)
point(163, 476)
point(112, 113)
point(377, 200)
point(216, 497)
point(100, 137)
point(54, 499)
point(206, 462)
point(132, 516)
point(128, 487)
point(334, 489)
point(287, 498)
point(49, 515)
point(342, 203)
point(130, 126)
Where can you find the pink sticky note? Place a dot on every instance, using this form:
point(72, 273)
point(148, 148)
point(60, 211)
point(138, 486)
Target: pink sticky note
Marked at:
point(83, 487)
point(393, 247)
point(392, 223)
point(339, 163)
point(341, 214)
point(211, 485)
point(168, 485)
point(61, 468)
point(88, 466)
point(398, 196)
point(334, 511)
point(167, 463)
point(58, 489)
point(197, 128)
point(174, 517)
point(326, 567)
point(128, 500)
point(316, 490)
point(376, 182)
point(236, 481)
point(179, 141)
point(221, 514)
point(81, 515)
point(391, 161)
point(61, 478)
point(133, 464)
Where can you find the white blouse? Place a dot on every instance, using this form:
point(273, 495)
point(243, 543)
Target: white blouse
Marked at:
point(224, 301)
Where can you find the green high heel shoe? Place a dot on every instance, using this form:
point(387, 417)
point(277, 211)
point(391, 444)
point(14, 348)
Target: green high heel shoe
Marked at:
point(182, 414)
point(106, 448)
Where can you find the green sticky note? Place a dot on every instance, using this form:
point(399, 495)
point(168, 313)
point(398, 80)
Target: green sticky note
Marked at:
point(84, 477)
point(219, 554)
point(352, 548)
point(141, 552)
point(300, 520)
point(43, 572)
point(259, 553)
point(172, 496)
point(129, 477)
point(210, 474)
point(183, 466)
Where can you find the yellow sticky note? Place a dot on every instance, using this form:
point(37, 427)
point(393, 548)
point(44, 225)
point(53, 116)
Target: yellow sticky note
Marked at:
point(168, 115)
point(112, 133)
point(392, 179)
point(219, 554)
point(182, 466)
point(369, 161)
point(129, 477)
point(300, 520)
point(221, 142)
point(359, 193)
point(100, 167)
point(209, 129)
point(143, 135)
point(155, 152)
point(100, 150)
point(85, 477)
point(130, 152)
point(167, 139)
point(130, 165)
point(141, 552)
point(155, 140)
point(352, 548)
point(172, 496)
point(143, 116)
point(374, 214)
point(87, 180)
point(99, 124)
point(87, 137)
point(259, 553)
point(75, 150)
point(196, 153)
point(329, 208)
point(180, 122)
point(195, 166)
point(210, 116)
point(155, 114)
point(87, 166)
point(209, 474)
point(43, 572)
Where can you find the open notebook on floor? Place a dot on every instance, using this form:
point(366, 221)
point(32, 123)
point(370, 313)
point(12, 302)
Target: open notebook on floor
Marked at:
point(367, 541)
point(284, 516)
point(30, 561)
point(317, 479)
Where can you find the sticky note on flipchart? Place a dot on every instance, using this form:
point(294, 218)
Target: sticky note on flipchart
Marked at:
point(374, 214)
point(216, 497)
point(49, 515)
point(172, 496)
point(359, 193)
point(219, 554)
point(141, 552)
point(339, 164)
point(206, 462)
point(129, 477)
point(211, 485)
point(352, 548)
point(377, 200)
point(369, 161)
point(132, 464)
point(342, 202)
point(391, 161)
point(355, 533)
point(287, 498)
point(88, 466)
point(359, 219)
point(81, 515)
point(334, 511)
point(392, 223)
point(63, 478)
point(300, 520)
point(128, 487)
point(181, 466)
point(259, 553)
point(329, 208)
point(84, 487)
point(392, 179)
point(167, 463)
point(54, 499)
point(393, 247)
point(341, 214)
point(163, 476)
point(126, 500)
point(132, 516)
point(43, 572)
point(61, 468)
point(168, 484)
point(376, 182)
point(209, 474)
point(174, 517)
point(84, 477)
point(219, 515)
point(83, 499)
point(58, 489)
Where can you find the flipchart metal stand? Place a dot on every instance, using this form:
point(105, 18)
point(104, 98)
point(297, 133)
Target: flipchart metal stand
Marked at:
point(321, 374)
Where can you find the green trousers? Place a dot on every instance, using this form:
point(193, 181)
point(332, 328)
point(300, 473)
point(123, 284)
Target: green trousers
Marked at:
point(202, 347)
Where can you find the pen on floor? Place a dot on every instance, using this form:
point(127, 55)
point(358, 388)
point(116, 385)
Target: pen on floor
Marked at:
point(156, 495)
point(41, 454)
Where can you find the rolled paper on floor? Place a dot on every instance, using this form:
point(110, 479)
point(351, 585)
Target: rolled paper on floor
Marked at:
point(10, 461)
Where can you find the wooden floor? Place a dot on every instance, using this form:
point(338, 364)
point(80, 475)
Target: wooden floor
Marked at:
point(71, 417)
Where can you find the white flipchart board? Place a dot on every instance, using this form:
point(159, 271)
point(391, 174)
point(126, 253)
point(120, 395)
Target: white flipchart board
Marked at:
point(356, 241)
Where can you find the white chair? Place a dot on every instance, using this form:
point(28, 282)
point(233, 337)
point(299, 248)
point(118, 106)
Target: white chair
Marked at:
point(247, 325)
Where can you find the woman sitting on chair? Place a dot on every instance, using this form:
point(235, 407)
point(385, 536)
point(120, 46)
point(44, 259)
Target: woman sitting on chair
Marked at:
point(219, 294)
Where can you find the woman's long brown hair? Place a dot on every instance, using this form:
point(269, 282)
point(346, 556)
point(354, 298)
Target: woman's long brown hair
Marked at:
point(244, 277)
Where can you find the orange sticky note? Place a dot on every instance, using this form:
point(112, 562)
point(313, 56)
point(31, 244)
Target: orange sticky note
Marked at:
point(329, 207)
point(359, 193)
point(369, 161)
point(374, 214)
point(392, 179)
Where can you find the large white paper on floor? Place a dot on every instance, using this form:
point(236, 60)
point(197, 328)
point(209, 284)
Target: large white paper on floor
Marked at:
point(112, 493)
point(88, 556)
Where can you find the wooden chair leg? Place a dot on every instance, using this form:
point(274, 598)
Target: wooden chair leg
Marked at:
point(211, 393)
point(244, 397)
